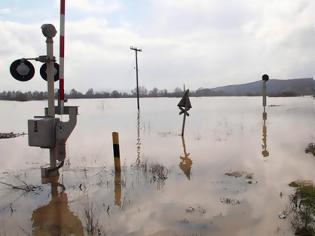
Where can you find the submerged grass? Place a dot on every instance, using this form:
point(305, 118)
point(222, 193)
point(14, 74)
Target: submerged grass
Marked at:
point(302, 207)
point(310, 148)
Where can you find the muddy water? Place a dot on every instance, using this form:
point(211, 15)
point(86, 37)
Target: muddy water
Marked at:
point(167, 185)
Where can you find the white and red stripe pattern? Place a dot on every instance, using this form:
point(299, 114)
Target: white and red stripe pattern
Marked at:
point(62, 54)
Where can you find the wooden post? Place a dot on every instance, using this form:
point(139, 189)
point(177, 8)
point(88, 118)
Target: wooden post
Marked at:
point(136, 52)
point(116, 151)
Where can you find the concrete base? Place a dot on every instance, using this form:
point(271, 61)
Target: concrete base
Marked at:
point(47, 173)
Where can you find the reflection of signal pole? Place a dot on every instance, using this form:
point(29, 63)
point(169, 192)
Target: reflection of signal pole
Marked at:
point(136, 52)
point(265, 152)
point(56, 218)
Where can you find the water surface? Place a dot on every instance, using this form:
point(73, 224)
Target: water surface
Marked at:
point(167, 185)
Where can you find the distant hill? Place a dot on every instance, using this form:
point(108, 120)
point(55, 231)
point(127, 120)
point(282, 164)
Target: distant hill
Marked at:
point(275, 87)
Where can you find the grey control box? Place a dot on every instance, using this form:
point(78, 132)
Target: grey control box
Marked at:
point(42, 132)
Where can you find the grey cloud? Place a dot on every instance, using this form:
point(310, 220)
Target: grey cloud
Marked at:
point(201, 44)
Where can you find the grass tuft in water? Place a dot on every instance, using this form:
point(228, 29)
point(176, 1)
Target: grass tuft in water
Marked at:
point(302, 207)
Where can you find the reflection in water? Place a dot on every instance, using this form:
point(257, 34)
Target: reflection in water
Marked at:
point(145, 209)
point(55, 218)
point(186, 162)
point(118, 187)
point(138, 140)
point(264, 152)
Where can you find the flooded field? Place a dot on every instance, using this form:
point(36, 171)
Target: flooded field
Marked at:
point(236, 172)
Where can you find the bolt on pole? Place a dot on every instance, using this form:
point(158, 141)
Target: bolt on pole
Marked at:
point(136, 52)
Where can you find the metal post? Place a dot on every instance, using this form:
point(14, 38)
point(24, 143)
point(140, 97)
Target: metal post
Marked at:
point(49, 31)
point(265, 78)
point(136, 52)
point(137, 80)
point(50, 77)
point(184, 121)
point(51, 93)
point(264, 93)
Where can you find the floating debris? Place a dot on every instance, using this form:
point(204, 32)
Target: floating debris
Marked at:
point(198, 209)
point(235, 174)
point(238, 174)
point(283, 214)
point(229, 201)
point(25, 187)
point(310, 148)
point(165, 133)
point(300, 183)
point(10, 135)
point(190, 209)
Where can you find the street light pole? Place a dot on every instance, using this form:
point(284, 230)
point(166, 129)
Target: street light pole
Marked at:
point(136, 52)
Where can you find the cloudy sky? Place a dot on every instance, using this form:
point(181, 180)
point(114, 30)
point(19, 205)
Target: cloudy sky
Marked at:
point(199, 43)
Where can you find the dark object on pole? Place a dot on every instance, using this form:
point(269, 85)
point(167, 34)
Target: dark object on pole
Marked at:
point(22, 70)
point(184, 105)
point(43, 71)
point(265, 77)
point(136, 52)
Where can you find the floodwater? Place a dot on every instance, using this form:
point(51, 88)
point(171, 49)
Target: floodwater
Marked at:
point(228, 176)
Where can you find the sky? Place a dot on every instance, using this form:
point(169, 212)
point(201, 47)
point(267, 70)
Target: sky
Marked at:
point(202, 44)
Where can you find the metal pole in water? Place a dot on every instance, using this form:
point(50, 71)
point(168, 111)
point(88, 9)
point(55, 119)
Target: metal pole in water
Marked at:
point(49, 31)
point(50, 76)
point(265, 78)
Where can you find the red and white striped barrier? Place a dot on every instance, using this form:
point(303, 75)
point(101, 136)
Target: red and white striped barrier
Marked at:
point(62, 54)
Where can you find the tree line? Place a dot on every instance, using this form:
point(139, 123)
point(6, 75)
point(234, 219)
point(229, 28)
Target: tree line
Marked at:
point(90, 93)
point(143, 92)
